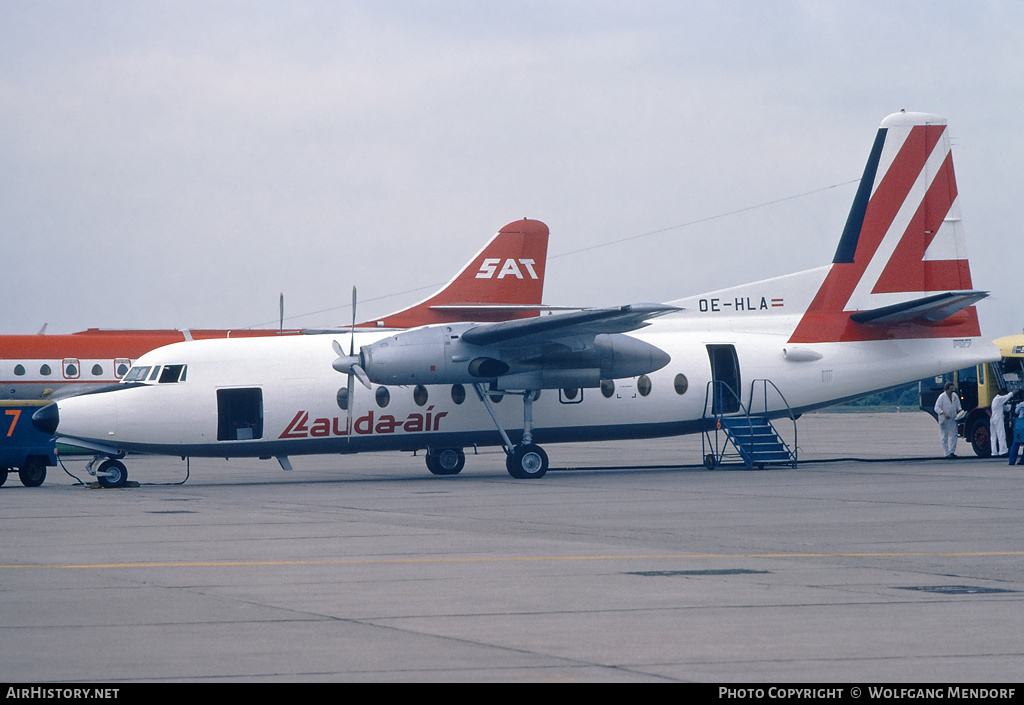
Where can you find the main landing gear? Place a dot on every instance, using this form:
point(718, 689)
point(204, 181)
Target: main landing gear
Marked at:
point(445, 461)
point(526, 460)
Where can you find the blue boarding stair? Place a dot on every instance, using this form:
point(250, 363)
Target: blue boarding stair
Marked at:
point(751, 435)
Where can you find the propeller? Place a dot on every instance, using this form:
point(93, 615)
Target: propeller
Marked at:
point(350, 364)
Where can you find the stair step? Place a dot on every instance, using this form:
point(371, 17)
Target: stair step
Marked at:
point(756, 440)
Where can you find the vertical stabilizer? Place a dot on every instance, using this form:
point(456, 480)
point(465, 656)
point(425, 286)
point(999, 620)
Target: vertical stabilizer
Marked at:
point(901, 268)
point(504, 281)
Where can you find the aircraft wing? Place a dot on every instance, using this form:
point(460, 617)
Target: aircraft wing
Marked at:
point(619, 319)
point(930, 309)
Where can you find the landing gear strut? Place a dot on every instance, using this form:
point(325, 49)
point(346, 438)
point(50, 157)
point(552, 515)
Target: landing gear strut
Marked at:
point(526, 460)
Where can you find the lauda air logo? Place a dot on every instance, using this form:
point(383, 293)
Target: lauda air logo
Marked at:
point(301, 427)
point(511, 268)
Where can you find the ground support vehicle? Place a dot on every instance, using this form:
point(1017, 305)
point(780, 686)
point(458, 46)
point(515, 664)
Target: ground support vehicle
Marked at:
point(22, 446)
point(977, 387)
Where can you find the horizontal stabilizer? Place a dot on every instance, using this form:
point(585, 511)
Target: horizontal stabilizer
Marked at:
point(930, 309)
point(598, 321)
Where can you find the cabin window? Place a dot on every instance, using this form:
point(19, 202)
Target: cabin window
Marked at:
point(45, 371)
point(19, 370)
point(643, 385)
point(383, 397)
point(97, 371)
point(570, 395)
point(121, 367)
point(343, 398)
point(239, 414)
point(681, 384)
point(607, 388)
point(172, 374)
point(419, 395)
point(71, 369)
point(458, 393)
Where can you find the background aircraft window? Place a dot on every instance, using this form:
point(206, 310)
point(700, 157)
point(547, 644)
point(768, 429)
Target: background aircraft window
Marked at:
point(19, 370)
point(681, 384)
point(343, 398)
point(45, 370)
point(643, 385)
point(383, 397)
point(97, 371)
point(607, 388)
point(156, 371)
point(171, 374)
point(70, 369)
point(458, 393)
point(137, 374)
point(419, 395)
point(122, 368)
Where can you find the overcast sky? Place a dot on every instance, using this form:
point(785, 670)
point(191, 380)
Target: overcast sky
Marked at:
point(181, 163)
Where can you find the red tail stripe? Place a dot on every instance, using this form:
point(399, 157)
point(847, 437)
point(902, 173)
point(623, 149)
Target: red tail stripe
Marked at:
point(907, 270)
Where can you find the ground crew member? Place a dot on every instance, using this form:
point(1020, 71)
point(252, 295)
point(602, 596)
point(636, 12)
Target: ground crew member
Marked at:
point(947, 406)
point(1018, 435)
point(996, 425)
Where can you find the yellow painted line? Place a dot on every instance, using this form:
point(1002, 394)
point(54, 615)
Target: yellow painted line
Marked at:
point(399, 561)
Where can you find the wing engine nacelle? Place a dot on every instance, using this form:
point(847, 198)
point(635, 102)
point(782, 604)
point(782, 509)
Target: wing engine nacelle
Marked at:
point(438, 355)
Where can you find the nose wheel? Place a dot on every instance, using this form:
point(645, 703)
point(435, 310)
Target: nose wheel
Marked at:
point(110, 473)
point(446, 461)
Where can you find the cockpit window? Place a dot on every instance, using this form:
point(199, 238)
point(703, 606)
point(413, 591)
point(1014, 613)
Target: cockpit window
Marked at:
point(137, 374)
point(156, 371)
point(172, 374)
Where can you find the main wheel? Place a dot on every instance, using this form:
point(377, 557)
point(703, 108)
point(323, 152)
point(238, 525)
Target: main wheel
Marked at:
point(117, 477)
point(3, 476)
point(33, 472)
point(448, 461)
point(527, 461)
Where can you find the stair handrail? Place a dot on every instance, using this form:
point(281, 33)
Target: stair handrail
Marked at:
point(789, 410)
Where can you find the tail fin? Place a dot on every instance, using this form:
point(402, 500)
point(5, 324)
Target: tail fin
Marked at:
point(901, 269)
point(504, 281)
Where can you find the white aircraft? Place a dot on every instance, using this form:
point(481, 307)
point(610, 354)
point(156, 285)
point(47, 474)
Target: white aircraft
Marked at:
point(895, 305)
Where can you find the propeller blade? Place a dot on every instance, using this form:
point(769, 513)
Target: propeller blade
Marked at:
point(348, 406)
point(361, 374)
point(352, 337)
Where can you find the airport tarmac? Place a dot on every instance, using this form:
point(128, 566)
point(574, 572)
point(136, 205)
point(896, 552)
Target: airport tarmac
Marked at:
point(627, 562)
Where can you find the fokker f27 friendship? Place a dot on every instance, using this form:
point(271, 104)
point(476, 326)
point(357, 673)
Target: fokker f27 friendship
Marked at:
point(895, 305)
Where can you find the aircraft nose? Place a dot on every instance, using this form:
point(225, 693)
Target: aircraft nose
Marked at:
point(46, 419)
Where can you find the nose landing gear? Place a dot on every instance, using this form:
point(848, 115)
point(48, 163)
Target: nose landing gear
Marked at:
point(110, 474)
